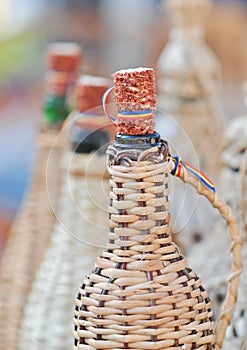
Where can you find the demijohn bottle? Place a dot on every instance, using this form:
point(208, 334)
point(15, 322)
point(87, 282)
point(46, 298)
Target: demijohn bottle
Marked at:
point(189, 91)
point(142, 294)
point(189, 84)
point(80, 233)
point(233, 185)
point(34, 221)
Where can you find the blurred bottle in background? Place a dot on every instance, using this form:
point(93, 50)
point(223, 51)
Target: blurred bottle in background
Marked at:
point(58, 96)
point(189, 82)
point(189, 91)
point(233, 188)
point(35, 218)
point(81, 231)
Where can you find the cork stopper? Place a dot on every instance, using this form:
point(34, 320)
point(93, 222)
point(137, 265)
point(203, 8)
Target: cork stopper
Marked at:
point(134, 89)
point(89, 91)
point(135, 100)
point(56, 83)
point(64, 56)
point(89, 132)
point(187, 13)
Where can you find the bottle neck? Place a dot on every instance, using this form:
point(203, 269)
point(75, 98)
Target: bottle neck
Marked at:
point(89, 133)
point(194, 34)
point(139, 204)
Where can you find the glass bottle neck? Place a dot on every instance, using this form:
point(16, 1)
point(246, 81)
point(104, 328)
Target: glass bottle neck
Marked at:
point(139, 203)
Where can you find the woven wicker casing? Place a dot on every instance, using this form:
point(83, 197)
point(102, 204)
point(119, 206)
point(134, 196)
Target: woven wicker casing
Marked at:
point(27, 241)
point(81, 222)
point(189, 92)
point(234, 159)
point(142, 293)
point(233, 186)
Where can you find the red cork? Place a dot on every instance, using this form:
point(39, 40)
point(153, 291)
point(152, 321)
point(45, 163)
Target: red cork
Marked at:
point(64, 56)
point(89, 91)
point(56, 83)
point(135, 91)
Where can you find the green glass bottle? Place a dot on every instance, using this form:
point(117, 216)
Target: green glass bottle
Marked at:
point(63, 61)
point(55, 105)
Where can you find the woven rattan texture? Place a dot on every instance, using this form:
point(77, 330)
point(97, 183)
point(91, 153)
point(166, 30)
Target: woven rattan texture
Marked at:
point(190, 94)
point(236, 337)
point(47, 321)
point(233, 186)
point(224, 210)
point(142, 293)
point(26, 245)
point(197, 122)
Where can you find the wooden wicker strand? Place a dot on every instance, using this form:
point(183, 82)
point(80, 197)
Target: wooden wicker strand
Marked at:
point(236, 267)
point(243, 199)
point(142, 293)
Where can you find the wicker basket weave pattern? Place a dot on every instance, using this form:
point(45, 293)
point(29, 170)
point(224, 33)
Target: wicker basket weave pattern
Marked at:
point(26, 244)
point(233, 185)
point(142, 293)
point(47, 320)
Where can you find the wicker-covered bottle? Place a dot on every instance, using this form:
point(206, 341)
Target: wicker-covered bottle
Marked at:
point(80, 233)
point(189, 84)
point(33, 224)
point(234, 158)
point(233, 185)
point(189, 91)
point(142, 294)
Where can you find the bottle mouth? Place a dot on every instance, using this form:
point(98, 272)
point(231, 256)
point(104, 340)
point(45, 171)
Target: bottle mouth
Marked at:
point(137, 141)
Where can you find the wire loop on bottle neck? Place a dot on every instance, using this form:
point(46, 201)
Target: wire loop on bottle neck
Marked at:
point(104, 105)
point(125, 115)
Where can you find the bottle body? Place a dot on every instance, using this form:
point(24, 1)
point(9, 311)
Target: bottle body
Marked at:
point(189, 91)
point(55, 108)
point(59, 86)
point(128, 300)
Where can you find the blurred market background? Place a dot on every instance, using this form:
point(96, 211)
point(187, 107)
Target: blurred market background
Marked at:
point(114, 34)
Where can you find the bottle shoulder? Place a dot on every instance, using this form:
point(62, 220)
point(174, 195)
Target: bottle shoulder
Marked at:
point(179, 57)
